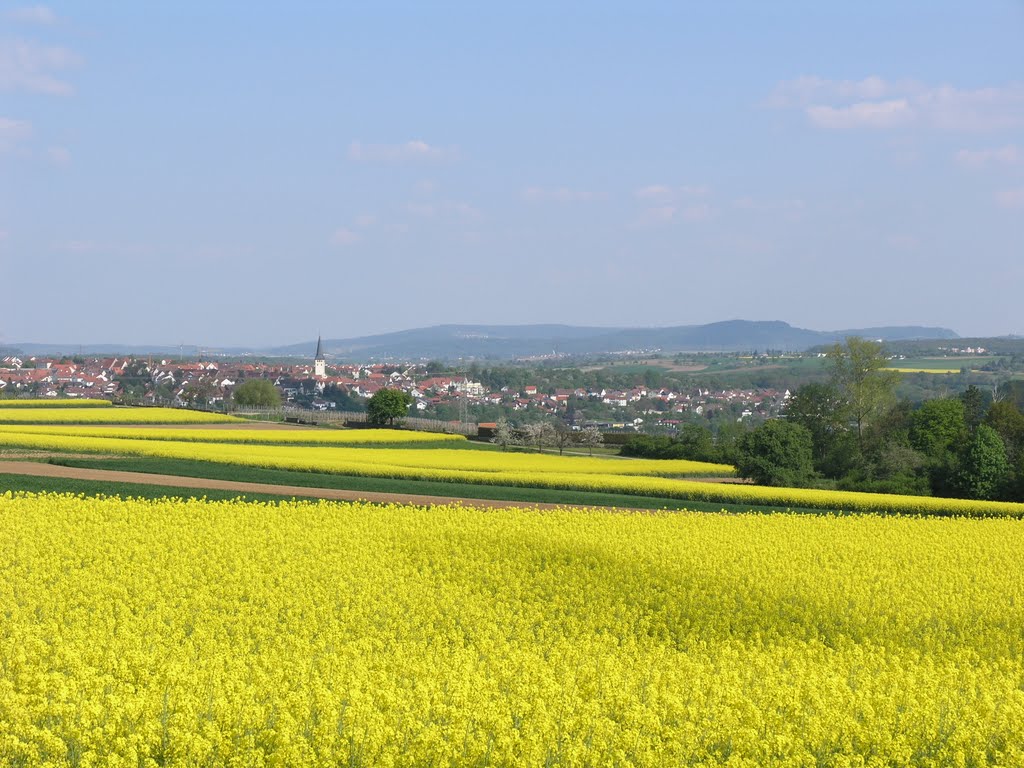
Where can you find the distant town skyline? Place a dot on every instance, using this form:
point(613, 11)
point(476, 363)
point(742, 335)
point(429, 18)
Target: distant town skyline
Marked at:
point(244, 175)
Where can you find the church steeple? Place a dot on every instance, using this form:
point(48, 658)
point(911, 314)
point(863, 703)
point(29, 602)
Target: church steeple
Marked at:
point(319, 363)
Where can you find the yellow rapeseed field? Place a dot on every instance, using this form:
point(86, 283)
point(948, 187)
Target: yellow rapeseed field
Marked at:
point(71, 403)
point(94, 415)
point(181, 633)
point(305, 457)
point(636, 477)
point(268, 436)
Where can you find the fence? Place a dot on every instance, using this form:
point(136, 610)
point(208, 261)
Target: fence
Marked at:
point(354, 419)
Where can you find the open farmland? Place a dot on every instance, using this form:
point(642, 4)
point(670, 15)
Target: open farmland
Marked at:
point(111, 415)
point(247, 432)
point(76, 403)
point(184, 632)
point(665, 479)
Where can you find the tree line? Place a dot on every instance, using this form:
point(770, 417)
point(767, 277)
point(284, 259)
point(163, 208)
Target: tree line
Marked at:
point(851, 432)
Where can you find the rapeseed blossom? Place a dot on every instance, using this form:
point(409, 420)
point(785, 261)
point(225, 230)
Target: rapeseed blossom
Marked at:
point(177, 632)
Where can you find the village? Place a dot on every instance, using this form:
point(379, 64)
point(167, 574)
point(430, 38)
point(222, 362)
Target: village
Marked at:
point(317, 386)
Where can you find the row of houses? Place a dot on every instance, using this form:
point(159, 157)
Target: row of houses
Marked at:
point(53, 378)
point(185, 383)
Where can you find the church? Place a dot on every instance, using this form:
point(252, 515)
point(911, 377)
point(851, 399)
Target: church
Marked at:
point(319, 363)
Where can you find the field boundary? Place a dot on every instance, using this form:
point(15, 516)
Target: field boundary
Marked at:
point(38, 469)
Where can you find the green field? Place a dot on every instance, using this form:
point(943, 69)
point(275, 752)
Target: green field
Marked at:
point(942, 364)
point(244, 474)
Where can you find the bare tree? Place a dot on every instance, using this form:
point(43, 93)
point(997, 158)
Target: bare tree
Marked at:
point(563, 436)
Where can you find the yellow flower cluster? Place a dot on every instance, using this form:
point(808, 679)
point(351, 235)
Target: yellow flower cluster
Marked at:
point(267, 436)
point(75, 403)
point(94, 415)
point(306, 634)
point(348, 460)
point(635, 477)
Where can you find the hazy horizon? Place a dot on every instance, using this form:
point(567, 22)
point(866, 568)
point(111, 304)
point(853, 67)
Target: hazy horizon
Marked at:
point(245, 176)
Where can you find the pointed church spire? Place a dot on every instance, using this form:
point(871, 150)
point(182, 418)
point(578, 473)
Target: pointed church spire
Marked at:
point(319, 363)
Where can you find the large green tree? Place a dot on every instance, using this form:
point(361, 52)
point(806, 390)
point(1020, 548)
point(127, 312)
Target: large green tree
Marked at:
point(860, 377)
point(776, 453)
point(984, 469)
point(386, 405)
point(939, 427)
point(257, 393)
point(938, 432)
point(1007, 420)
point(819, 408)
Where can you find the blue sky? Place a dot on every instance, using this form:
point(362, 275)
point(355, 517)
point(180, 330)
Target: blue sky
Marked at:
point(241, 174)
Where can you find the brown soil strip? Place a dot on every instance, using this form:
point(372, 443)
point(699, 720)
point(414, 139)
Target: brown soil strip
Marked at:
point(176, 481)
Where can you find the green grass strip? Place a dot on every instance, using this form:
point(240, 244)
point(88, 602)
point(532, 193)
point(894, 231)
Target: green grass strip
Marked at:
point(215, 471)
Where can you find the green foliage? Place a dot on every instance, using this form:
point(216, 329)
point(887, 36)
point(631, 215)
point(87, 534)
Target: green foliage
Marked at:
point(984, 468)
point(652, 447)
point(257, 393)
point(819, 408)
point(386, 405)
point(693, 442)
point(859, 374)
point(343, 401)
point(776, 453)
point(975, 402)
point(938, 427)
point(1007, 420)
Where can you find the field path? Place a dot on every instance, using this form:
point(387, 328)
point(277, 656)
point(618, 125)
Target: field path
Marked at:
point(177, 481)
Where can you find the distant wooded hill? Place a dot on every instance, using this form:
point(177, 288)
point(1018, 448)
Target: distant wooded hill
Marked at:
point(505, 342)
point(512, 341)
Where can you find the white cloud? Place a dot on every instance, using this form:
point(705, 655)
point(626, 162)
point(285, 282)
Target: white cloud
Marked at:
point(344, 236)
point(1011, 198)
point(559, 195)
point(663, 192)
point(871, 114)
point(33, 14)
point(13, 131)
point(808, 89)
point(697, 212)
point(659, 214)
point(654, 192)
point(983, 109)
point(415, 150)
point(441, 208)
point(978, 159)
point(668, 203)
point(877, 103)
point(28, 66)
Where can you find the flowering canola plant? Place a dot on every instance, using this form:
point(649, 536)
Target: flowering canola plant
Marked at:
point(120, 415)
point(176, 632)
point(71, 403)
point(255, 435)
point(636, 477)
